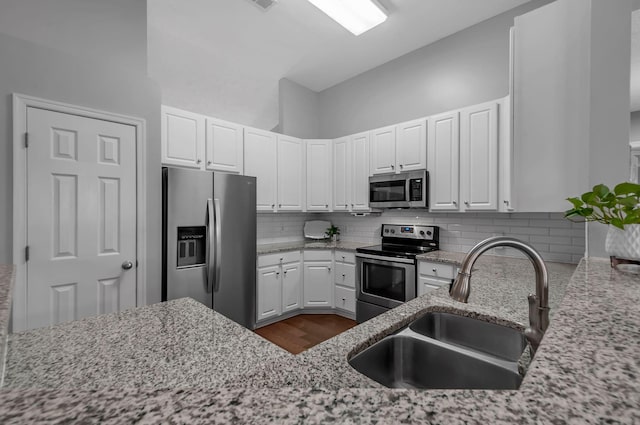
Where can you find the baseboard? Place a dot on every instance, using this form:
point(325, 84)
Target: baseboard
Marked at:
point(308, 310)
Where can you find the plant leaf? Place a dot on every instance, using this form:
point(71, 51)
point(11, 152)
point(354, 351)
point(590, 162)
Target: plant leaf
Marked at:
point(627, 188)
point(600, 190)
point(617, 222)
point(577, 203)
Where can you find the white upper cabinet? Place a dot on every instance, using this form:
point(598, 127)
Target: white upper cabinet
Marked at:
point(291, 173)
point(479, 157)
point(443, 161)
point(260, 161)
point(319, 174)
point(224, 147)
point(383, 150)
point(360, 174)
point(411, 145)
point(182, 137)
point(341, 174)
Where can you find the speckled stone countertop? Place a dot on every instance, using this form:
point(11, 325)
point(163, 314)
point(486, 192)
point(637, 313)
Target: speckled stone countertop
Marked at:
point(309, 244)
point(586, 369)
point(7, 277)
point(180, 343)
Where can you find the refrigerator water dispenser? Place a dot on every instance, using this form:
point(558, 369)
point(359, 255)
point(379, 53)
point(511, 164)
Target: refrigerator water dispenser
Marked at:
point(191, 247)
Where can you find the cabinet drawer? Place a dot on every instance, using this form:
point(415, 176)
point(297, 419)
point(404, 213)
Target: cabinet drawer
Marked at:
point(345, 274)
point(317, 255)
point(446, 271)
point(279, 257)
point(345, 257)
point(345, 299)
point(427, 284)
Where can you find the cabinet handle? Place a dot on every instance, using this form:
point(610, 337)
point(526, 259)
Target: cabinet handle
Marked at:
point(279, 205)
point(466, 203)
point(393, 167)
point(285, 272)
point(506, 202)
point(273, 206)
point(198, 161)
point(281, 258)
point(343, 275)
point(277, 273)
point(434, 270)
point(329, 269)
point(455, 203)
point(326, 205)
point(351, 205)
point(209, 162)
point(401, 166)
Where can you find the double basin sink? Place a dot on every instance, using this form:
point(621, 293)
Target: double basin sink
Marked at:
point(445, 351)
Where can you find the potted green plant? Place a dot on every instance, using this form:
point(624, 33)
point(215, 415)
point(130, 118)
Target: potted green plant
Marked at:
point(333, 232)
point(620, 209)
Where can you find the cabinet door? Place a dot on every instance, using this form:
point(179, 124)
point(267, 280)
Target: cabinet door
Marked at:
point(182, 137)
point(224, 147)
point(345, 274)
point(290, 174)
point(479, 157)
point(341, 174)
point(345, 299)
point(260, 162)
point(319, 174)
point(428, 284)
point(360, 174)
point(411, 146)
point(318, 284)
point(383, 150)
point(269, 293)
point(291, 287)
point(443, 161)
point(505, 156)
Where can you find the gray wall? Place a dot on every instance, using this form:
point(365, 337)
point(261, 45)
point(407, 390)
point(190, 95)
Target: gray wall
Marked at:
point(634, 131)
point(298, 110)
point(44, 72)
point(468, 67)
point(112, 31)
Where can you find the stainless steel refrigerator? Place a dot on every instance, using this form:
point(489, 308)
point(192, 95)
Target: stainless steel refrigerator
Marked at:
point(209, 241)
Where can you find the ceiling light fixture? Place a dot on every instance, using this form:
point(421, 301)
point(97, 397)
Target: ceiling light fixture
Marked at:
point(357, 16)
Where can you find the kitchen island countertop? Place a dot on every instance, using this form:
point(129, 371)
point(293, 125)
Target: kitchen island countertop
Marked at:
point(585, 370)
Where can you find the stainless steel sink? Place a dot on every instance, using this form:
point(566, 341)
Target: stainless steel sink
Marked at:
point(445, 351)
point(500, 341)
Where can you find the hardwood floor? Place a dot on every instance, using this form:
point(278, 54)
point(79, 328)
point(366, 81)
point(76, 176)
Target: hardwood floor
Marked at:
point(300, 333)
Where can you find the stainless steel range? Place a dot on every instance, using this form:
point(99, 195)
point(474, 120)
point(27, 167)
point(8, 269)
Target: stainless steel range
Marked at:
point(386, 273)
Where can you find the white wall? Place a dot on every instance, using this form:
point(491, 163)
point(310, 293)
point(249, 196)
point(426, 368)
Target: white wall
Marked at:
point(468, 67)
point(114, 32)
point(298, 110)
point(49, 73)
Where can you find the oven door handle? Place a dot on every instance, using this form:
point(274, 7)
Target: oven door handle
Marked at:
point(386, 259)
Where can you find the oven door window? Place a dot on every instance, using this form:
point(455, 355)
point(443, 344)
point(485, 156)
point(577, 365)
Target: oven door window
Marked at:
point(387, 281)
point(388, 191)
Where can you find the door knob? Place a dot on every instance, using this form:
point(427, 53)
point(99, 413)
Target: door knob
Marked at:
point(127, 265)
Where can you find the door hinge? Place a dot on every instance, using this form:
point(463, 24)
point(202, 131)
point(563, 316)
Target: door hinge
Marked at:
point(26, 140)
point(26, 253)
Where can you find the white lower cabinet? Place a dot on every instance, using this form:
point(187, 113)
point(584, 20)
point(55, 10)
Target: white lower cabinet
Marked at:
point(432, 276)
point(318, 279)
point(344, 279)
point(279, 284)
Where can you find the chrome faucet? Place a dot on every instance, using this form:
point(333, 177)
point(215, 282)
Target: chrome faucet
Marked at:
point(538, 304)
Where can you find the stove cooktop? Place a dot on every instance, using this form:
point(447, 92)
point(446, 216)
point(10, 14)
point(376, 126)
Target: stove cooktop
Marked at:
point(404, 251)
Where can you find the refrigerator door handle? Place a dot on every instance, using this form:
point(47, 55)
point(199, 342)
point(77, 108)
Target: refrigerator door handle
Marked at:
point(218, 253)
point(210, 236)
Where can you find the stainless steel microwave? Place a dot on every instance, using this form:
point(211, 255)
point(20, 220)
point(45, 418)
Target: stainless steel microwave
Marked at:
point(404, 190)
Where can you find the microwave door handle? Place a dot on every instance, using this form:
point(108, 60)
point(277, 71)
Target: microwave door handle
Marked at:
point(209, 263)
point(218, 237)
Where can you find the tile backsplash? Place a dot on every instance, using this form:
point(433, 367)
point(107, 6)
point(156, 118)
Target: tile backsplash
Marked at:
point(556, 238)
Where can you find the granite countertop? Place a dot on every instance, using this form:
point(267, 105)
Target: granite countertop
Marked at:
point(309, 244)
point(585, 371)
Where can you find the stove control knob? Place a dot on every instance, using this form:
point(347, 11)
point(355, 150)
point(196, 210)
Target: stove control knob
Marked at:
point(386, 230)
point(429, 232)
point(422, 233)
point(393, 231)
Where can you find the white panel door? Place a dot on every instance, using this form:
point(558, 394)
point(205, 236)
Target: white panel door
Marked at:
point(319, 174)
point(411, 146)
point(291, 178)
point(268, 292)
point(182, 137)
point(383, 150)
point(318, 284)
point(81, 220)
point(443, 161)
point(479, 157)
point(341, 174)
point(224, 147)
point(291, 287)
point(260, 161)
point(360, 172)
